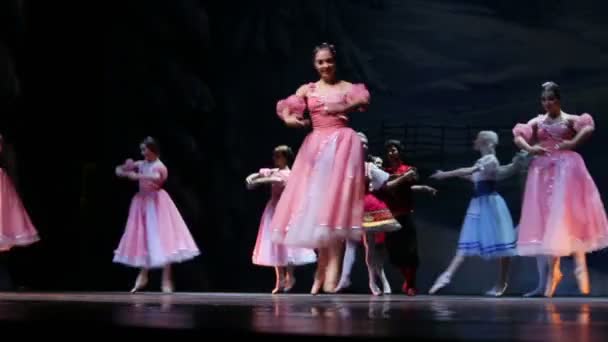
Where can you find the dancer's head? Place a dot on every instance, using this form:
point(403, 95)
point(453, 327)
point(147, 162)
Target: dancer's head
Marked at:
point(485, 140)
point(551, 97)
point(282, 156)
point(394, 150)
point(377, 160)
point(324, 59)
point(149, 148)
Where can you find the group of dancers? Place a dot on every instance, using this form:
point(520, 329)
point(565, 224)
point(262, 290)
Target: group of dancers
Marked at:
point(336, 195)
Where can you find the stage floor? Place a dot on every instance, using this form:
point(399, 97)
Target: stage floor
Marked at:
point(196, 315)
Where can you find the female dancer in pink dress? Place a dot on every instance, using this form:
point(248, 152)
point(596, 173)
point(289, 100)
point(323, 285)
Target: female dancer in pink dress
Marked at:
point(323, 202)
point(266, 252)
point(562, 211)
point(156, 235)
point(16, 228)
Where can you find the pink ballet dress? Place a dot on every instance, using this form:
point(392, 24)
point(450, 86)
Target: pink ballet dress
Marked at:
point(156, 234)
point(562, 209)
point(16, 228)
point(267, 252)
point(323, 200)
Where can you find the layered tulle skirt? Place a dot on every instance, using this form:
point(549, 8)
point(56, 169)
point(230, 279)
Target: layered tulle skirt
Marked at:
point(488, 229)
point(269, 253)
point(16, 228)
point(323, 199)
point(562, 210)
point(155, 235)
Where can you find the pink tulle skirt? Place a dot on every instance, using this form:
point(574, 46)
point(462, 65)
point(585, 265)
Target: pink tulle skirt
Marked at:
point(156, 235)
point(562, 210)
point(16, 228)
point(269, 253)
point(323, 199)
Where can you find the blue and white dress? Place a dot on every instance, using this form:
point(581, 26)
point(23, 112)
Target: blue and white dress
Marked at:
point(487, 230)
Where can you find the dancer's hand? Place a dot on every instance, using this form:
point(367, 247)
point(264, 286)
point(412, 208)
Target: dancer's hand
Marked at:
point(133, 175)
point(295, 122)
point(566, 145)
point(538, 150)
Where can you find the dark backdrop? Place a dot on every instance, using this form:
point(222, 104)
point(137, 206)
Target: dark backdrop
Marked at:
point(204, 77)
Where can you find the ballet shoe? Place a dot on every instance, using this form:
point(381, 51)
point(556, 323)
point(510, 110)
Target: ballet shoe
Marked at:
point(140, 282)
point(441, 282)
point(316, 287)
point(537, 292)
point(167, 287)
point(553, 282)
point(375, 289)
point(342, 285)
point(289, 284)
point(582, 279)
point(386, 288)
point(497, 290)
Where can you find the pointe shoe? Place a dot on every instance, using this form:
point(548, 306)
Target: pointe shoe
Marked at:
point(167, 287)
point(582, 278)
point(537, 292)
point(279, 287)
point(316, 287)
point(140, 282)
point(553, 282)
point(289, 284)
point(497, 291)
point(342, 285)
point(386, 288)
point(441, 282)
point(374, 289)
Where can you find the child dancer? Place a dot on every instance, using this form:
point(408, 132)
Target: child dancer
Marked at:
point(156, 235)
point(562, 212)
point(266, 252)
point(377, 220)
point(16, 228)
point(488, 228)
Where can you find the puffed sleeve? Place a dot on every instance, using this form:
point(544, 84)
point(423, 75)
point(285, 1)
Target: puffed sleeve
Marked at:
point(526, 130)
point(358, 93)
point(296, 105)
point(488, 165)
point(582, 121)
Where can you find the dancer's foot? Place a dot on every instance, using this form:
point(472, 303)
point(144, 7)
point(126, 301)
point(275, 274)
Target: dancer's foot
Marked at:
point(342, 285)
point(497, 290)
point(140, 282)
point(386, 286)
point(537, 292)
point(316, 287)
point(553, 281)
point(582, 278)
point(290, 282)
point(374, 288)
point(441, 282)
point(167, 287)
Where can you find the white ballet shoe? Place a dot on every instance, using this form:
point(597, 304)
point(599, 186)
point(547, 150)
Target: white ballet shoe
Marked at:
point(140, 282)
point(582, 279)
point(343, 285)
point(537, 292)
point(375, 289)
point(441, 282)
point(497, 291)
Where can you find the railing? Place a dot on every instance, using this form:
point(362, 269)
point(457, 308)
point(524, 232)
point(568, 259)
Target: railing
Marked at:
point(434, 146)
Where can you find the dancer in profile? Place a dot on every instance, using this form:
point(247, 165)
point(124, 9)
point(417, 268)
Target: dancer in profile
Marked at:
point(16, 228)
point(562, 212)
point(156, 235)
point(487, 230)
point(322, 204)
point(402, 245)
point(266, 252)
